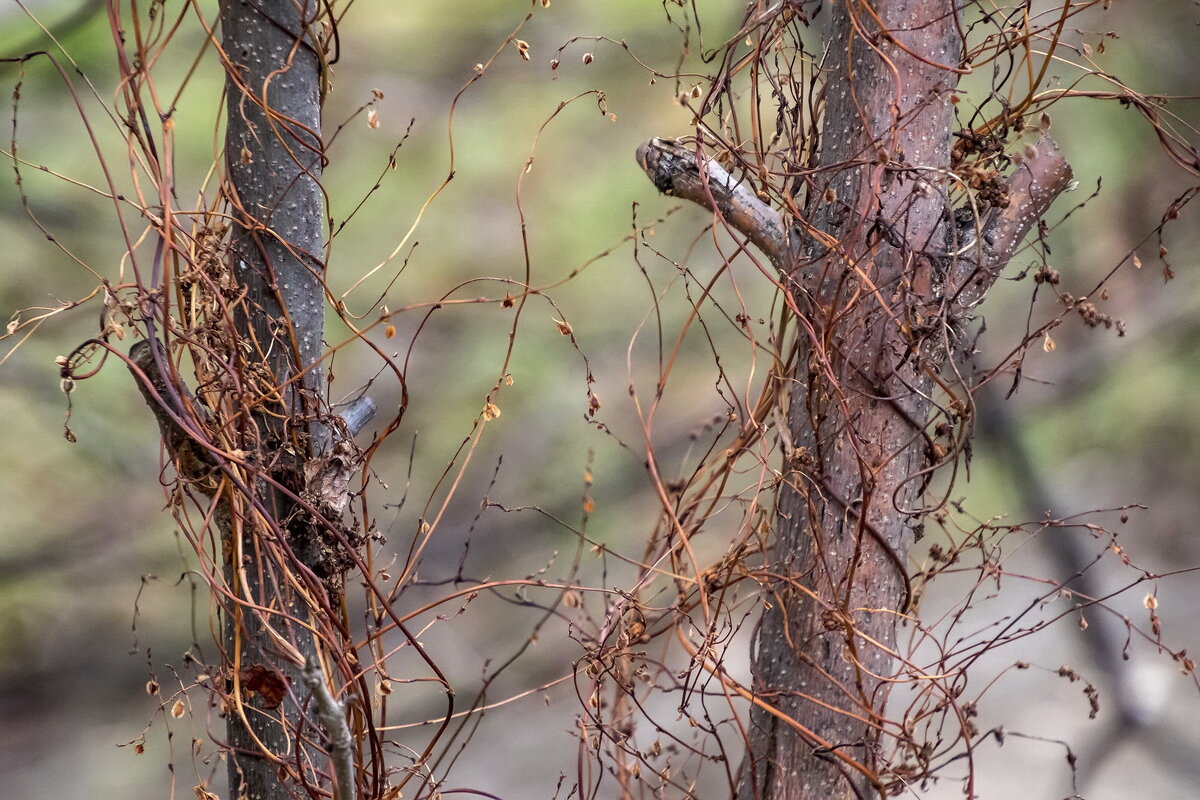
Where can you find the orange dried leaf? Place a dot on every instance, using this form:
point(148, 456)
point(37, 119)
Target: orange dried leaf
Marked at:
point(491, 411)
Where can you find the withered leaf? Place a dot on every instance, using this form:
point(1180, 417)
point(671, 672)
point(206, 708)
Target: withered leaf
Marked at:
point(326, 478)
point(267, 682)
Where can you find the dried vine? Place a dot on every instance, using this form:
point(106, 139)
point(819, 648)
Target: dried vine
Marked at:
point(863, 205)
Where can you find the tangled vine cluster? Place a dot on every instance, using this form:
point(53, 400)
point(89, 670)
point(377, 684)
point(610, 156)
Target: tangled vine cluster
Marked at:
point(857, 168)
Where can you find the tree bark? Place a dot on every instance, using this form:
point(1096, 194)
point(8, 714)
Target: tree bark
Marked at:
point(859, 403)
point(274, 157)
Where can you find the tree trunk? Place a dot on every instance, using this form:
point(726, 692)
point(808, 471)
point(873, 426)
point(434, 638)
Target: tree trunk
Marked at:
point(274, 156)
point(883, 276)
point(859, 405)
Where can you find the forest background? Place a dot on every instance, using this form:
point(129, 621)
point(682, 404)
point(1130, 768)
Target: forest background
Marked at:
point(94, 589)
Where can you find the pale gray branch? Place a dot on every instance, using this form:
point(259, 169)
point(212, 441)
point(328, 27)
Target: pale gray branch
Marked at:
point(358, 414)
point(333, 720)
point(674, 169)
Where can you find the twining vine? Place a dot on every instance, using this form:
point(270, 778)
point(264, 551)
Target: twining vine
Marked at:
point(863, 203)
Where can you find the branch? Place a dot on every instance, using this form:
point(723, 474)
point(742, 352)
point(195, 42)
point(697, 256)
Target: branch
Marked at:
point(333, 720)
point(358, 414)
point(193, 461)
point(1031, 189)
point(675, 170)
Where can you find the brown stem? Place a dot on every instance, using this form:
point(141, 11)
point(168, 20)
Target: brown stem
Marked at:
point(194, 462)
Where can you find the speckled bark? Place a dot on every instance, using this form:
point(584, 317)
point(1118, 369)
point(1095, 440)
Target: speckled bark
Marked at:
point(857, 406)
point(274, 158)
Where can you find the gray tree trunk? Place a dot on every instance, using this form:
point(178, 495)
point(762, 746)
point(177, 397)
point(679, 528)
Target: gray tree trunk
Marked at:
point(274, 156)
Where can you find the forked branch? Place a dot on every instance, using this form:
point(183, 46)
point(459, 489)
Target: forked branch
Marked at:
point(681, 171)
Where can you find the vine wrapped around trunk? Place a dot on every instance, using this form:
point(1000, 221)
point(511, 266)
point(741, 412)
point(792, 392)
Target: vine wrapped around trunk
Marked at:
point(882, 275)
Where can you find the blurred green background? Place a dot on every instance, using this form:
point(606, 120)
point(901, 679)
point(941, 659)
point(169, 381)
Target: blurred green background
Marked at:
point(95, 590)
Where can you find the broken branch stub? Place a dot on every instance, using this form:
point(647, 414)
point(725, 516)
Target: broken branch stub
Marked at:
point(1029, 191)
point(681, 171)
point(174, 408)
point(676, 170)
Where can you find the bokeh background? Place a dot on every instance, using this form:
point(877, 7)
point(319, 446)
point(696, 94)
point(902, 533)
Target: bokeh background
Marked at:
point(95, 590)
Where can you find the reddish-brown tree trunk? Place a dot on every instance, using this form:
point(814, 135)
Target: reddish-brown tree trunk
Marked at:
point(858, 405)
